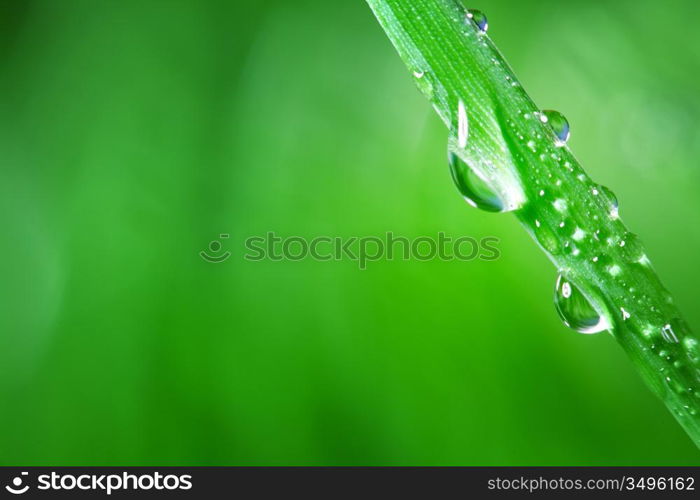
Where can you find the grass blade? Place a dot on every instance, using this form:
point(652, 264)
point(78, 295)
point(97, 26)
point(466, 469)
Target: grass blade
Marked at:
point(498, 135)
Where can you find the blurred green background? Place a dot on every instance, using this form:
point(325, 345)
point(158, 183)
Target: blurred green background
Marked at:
point(134, 133)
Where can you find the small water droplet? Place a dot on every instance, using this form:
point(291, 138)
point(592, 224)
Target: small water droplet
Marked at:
point(576, 310)
point(560, 205)
point(675, 331)
point(478, 18)
point(473, 188)
point(625, 315)
point(676, 387)
point(668, 334)
point(558, 123)
point(632, 247)
point(614, 270)
point(579, 234)
point(423, 83)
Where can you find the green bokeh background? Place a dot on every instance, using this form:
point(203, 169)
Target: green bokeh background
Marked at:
point(135, 132)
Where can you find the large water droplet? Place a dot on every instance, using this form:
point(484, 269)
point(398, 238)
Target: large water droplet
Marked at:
point(478, 18)
point(576, 310)
point(473, 188)
point(558, 123)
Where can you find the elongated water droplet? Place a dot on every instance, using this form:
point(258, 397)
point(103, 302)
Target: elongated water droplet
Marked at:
point(423, 82)
point(609, 198)
point(675, 330)
point(558, 123)
point(462, 125)
point(547, 239)
point(478, 18)
point(668, 334)
point(576, 310)
point(692, 347)
point(473, 188)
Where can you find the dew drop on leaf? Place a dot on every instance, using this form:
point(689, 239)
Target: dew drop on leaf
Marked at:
point(576, 310)
point(478, 18)
point(547, 239)
point(424, 84)
point(692, 348)
point(462, 125)
point(675, 330)
point(558, 123)
point(608, 198)
point(473, 188)
point(632, 249)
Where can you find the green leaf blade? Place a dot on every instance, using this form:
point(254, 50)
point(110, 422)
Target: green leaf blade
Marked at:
point(571, 218)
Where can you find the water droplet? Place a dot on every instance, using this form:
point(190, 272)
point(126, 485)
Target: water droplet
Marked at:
point(601, 234)
point(560, 205)
point(472, 187)
point(579, 234)
point(675, 330)
point(462, 125)
point(614, 270)
point(558, 123)
point(609, 199)
point(632, 247)
point(668, 334)
point(547, 238)
point(423, 81)
point(692, 347)
point(676, 387)
point(576, 310)
point(478, 18)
